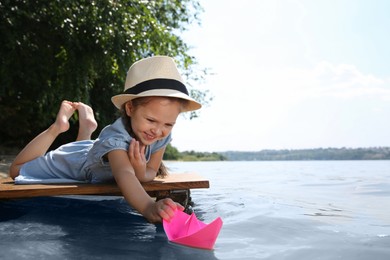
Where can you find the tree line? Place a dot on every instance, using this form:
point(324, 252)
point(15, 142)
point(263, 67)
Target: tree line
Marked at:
point(373, 153)
point(173, 154)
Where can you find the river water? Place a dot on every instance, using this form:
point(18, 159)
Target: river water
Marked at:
point(270, 210)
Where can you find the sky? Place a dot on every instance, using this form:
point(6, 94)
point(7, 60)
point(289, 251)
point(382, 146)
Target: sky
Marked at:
point(290, 74)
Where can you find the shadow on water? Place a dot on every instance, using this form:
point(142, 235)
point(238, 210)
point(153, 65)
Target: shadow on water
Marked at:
point(88, 228)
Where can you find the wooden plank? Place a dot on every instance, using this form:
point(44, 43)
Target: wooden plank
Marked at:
point(182, 181)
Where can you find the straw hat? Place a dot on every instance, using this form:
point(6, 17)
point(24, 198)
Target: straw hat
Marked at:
point(154, 76)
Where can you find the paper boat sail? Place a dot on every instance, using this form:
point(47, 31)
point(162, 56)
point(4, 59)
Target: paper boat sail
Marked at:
point(189, 231)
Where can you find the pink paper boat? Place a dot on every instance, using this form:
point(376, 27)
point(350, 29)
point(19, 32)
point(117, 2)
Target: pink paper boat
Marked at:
point(189, 231)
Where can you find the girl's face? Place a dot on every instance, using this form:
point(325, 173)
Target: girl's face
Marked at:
point(153, 120)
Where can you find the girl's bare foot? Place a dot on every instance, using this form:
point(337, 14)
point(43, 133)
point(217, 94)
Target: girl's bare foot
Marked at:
point(41, 143)
point(87, 122)
point(62, 121)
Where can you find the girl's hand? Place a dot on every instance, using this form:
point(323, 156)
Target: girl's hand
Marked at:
point(162, 209)
point(137, 157)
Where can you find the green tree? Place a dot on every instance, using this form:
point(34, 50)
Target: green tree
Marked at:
point(80, 50)
point(171, 153)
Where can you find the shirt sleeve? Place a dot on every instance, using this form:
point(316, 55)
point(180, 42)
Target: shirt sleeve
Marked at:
point(112, 137)
point(114, 144)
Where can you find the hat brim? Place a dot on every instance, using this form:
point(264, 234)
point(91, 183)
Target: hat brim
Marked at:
point(121, 99)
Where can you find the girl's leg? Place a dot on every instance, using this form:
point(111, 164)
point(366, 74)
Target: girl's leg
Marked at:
point(40, 144)
point(87, 122)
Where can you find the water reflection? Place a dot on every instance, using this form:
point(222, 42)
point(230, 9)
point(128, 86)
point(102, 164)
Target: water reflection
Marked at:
point(94, 228)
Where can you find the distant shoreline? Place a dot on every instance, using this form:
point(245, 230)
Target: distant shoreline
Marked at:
point(317, 154)
point(372, 153)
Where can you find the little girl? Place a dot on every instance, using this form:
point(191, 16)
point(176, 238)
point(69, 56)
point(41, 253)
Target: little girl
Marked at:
point(129, 151)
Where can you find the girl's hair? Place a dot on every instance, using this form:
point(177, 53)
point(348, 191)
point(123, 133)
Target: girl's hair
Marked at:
point(162, 171)
point(141, 101)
